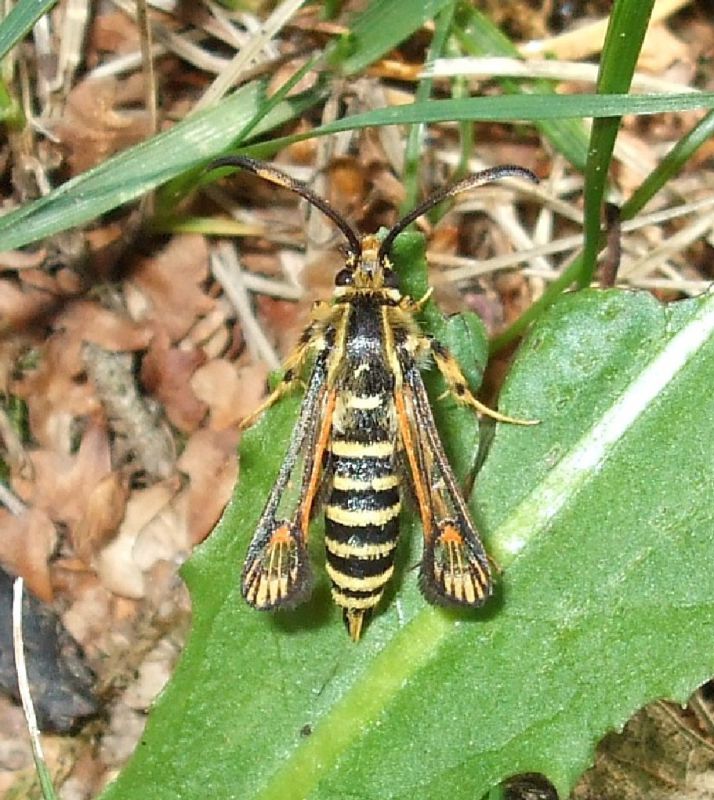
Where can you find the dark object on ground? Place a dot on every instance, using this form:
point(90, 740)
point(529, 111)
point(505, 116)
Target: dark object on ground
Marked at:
point(60, 681)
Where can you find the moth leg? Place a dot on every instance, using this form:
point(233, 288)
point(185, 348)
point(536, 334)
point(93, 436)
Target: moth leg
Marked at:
point(289, 383)
point(291, 379)
point(458, 387)
point(415, 306)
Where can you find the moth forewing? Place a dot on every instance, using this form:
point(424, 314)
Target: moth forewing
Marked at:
point(454, 569)
point(277, 572)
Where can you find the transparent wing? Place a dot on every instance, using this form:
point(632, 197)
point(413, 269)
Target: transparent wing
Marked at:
point(454, 568)
point(277, 567)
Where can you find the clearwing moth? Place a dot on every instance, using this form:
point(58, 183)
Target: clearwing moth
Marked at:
point(364, 431)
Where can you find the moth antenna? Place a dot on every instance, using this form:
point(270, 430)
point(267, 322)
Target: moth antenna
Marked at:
point(279, 178)
point(471, 182)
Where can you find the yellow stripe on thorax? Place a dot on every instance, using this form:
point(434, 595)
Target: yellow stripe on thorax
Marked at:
point(364, 402)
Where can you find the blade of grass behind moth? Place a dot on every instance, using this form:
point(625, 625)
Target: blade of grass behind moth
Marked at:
point(623, 42)
point(193, 141)
point(416, 132)
point(175, 190)
point(670, 166)
point(141, 168)
point(479, 36)
point(19, 21)
point(380, 28)
point(505, 108)
point(664, 171)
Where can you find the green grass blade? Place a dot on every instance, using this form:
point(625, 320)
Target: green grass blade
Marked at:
point(625, 33)
point(203, 136)
point(413, 151)
point(479, 36)
point(139, 169)
point(509, 108)
point(670, 166)
point(19, 21)
point(381, 27)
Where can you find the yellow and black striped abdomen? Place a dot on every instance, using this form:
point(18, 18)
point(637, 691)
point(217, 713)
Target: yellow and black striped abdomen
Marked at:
point(362, 509)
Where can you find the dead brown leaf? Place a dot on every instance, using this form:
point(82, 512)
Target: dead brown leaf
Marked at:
point(56, 392)
point(103, 512)
point(15, 748)
point(10, 351)
point(39, 279)
point(88, 618)
point(283, 318)
point(153, 529)
point(21, 259)
point(166, 288)
point(113, 32)
point(26, 544)
point(92, 128)
point(348, 184)
point(62, 482)
point(90, 322)
point(165, 536)
point(229, 392)
point(23, 310)
point(210, 461)
point(166, 372)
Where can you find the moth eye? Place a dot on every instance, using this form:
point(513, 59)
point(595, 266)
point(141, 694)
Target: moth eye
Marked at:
point(343, 277)
point(391, 279)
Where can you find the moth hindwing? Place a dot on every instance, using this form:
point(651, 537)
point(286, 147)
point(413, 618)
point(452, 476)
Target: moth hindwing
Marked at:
point(364, 430)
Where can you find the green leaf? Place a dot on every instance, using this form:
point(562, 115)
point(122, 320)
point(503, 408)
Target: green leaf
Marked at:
point(206, 134)
point(601, 517)
point(512, 108)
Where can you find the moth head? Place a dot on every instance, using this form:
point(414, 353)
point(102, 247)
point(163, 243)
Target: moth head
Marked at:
point(366, 270)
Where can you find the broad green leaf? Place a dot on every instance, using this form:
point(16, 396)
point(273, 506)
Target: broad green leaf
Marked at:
point(602, 519)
